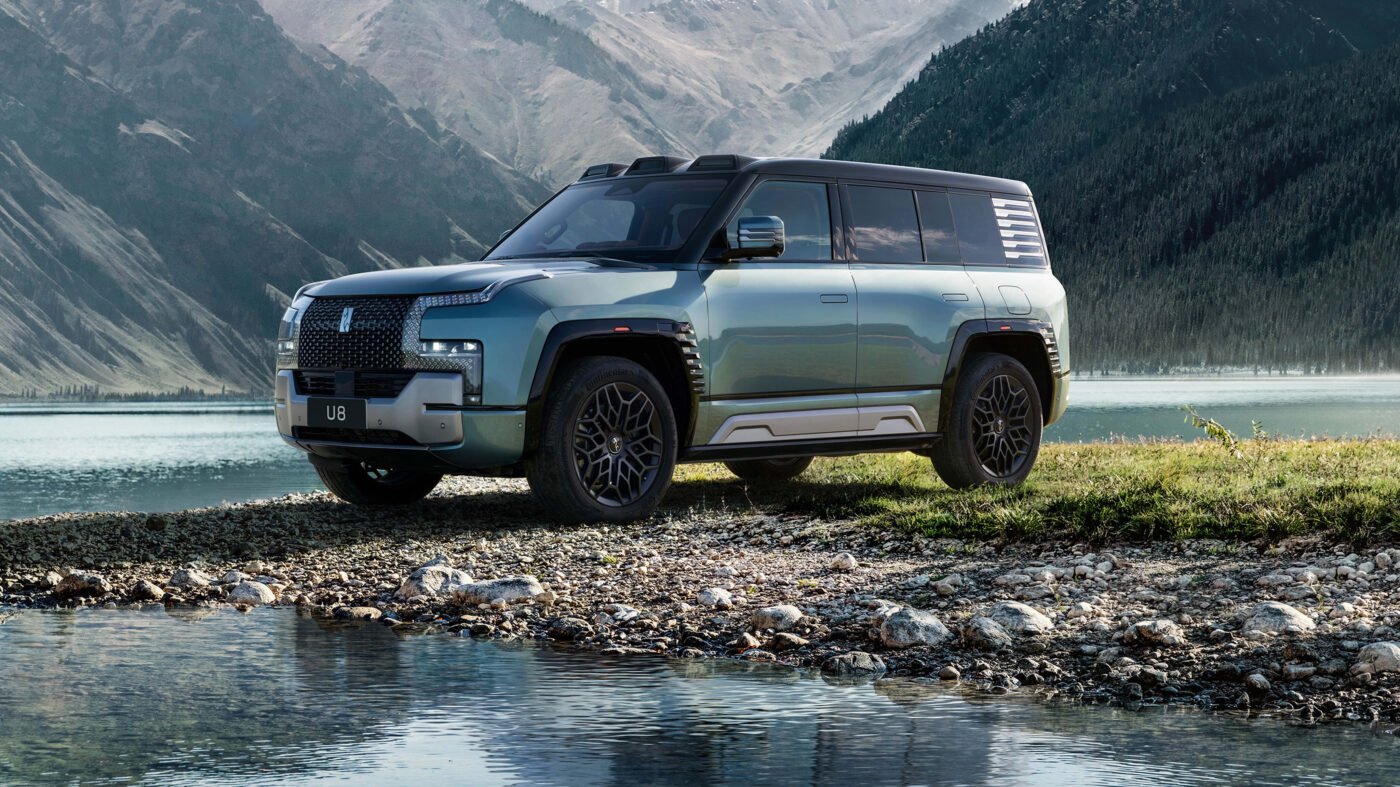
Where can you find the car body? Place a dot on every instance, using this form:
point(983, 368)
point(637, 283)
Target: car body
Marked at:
point(886, 282)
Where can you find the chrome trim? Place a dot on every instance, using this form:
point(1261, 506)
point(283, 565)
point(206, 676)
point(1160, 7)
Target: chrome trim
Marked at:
point(407, 413)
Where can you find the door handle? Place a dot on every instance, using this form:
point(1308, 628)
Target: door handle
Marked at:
point(835, 298)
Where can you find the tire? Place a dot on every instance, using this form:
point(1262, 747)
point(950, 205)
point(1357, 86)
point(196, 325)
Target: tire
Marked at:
point(767, 470)
point(994, 426)
point(607, 443)
point(362, 484)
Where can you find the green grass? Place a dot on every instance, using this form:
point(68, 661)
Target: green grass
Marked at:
point(1347, 490)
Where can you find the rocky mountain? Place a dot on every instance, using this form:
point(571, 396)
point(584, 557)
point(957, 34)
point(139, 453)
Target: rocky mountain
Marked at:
point(170, 171)
point(1217, 177)
point(595, 81)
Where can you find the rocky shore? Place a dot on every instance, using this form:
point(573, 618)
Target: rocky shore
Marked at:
point(1301, 628)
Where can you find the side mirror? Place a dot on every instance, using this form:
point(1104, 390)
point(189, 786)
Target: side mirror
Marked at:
point(759, 236)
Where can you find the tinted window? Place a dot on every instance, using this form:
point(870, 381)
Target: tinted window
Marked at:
point(806, 215)
point(936, 219)
point(979, 235)
point(885, 224)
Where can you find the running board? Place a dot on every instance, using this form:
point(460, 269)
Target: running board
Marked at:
point(787, 449)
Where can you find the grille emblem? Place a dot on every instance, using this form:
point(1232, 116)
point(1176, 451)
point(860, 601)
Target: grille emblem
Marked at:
point(345, 315)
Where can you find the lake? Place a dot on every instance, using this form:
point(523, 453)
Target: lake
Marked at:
point(168, 456)
point(270, 697)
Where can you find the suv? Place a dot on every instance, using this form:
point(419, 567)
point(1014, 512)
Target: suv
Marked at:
point(755, 312)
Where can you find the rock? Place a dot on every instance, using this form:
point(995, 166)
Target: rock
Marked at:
point(50, 580)
point(758, 655)
point(1294, 672)
point(233, 578)
point(844, 562)
point(715, 598)
point(1277, 618)
point(79, 584)
point(145, 590)
point(256, 567)
point(1161, 633)
point(949, 673)
point(432, 579)
point(784, 640)
point(189, 579)
point(251, 592)
point(983, 633)
point(854, 663)
point(568, 629)
point(358, 613)
point(1381, 657)
point(1081, 609)
point(910, 627)
point(1274, 580)
point(779, 618)
point(745, 641)
point(1256, 684)
point(1343, 610)
point(1018, 618)
point(507, 589)
point(1383, 560)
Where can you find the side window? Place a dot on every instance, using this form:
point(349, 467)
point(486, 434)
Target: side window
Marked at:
point(936, 218)
point(805, 211)
point(885, 224)
point(996, 230)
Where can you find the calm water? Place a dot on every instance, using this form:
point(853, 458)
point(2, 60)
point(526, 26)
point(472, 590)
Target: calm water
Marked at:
point(270, 698)
point(163, 457)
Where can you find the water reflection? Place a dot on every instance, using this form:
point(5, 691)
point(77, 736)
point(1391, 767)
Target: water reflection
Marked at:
point(269, 697)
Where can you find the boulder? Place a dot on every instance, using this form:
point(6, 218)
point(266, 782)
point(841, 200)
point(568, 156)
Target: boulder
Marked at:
point(1381, 657)
point(983, 633)
point(568, 629)
point(358, 613)
point(1159, 633)
point(508, 589)
point(715, 598)
point(432, 579)
point(784, 640)
point(251, 592)
point(1017, 618)
point(79, 584)
point(908, 628)
point(145, 590)
point(844, 562)
point(189, 579)
point(781, 617)
point(854, 663)
point(1274, 617)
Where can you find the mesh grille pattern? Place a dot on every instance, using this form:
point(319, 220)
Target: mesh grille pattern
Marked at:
point(374, 341)
point(370, 385)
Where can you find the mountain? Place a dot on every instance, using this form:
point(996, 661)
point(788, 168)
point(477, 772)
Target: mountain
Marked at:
point(1217, 177)
point(597, 81)
point(170, 171)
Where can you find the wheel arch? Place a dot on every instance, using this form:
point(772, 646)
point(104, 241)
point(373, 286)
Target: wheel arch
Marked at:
point(1031, 342)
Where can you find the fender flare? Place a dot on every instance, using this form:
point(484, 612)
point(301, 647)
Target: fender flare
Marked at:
point(957, 354)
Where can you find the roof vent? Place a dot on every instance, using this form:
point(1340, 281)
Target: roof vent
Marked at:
point(603, 171)
point(652, 165)
point(719, 163)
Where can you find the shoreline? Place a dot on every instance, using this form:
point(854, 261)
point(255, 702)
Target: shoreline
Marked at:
point(1188, 622)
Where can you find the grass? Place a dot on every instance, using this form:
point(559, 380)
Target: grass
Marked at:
point(1266, 490)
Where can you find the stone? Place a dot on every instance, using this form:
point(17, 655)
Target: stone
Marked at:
point(1256, 684)
point(432, 579)
point(251, 592)
point(568, 629)
point(1381, 657)
point(620, 614)
point(1274, 580)
point(1017, 618)
point(949, 672)
point(781, 617)
point(79, 584)
point(983, 633)
point(145, 590)
point(785, 640)
point(507, 589)
point(1272, 617)
point(189, 579)
point(1343, 610)
point(715, 598)
point(1294, 672)
point(745, 641)
point(1383, 560)
point(844, 562)
point(233, 578)
point(910, 627)
point(1081, 609)
point(358, 613)
point(855, 663)
point(1161, 633)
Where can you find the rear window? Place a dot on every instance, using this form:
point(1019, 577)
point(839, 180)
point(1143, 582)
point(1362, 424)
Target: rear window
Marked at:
point(996, 230)
point(885, 224)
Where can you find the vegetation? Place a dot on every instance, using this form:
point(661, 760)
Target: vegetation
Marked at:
point(1144, 491)
point(1216, 177)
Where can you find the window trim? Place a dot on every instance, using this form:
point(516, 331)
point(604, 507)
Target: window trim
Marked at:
point(834, 217)
point(853, 253)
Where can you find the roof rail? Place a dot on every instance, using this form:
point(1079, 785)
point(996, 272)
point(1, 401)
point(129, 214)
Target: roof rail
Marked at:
point(722, 162)
point(651, 165)
point(603, 171)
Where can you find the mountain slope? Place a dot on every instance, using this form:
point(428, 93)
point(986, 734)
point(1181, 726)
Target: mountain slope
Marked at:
point(1213, 175)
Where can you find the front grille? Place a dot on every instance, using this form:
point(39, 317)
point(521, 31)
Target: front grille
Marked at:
point(366, 436)
point(374, 339)
point(368, 385)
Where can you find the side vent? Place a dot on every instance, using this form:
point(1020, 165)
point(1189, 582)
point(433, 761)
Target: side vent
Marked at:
point(603, 171)
point(655, 165)
point(1020, 234)
point(719, 163)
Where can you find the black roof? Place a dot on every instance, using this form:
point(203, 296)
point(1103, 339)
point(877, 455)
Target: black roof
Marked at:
point(817, 168)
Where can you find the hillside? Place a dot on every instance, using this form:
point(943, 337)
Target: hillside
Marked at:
point(178, 168)
point(1217, 179)
point(612, 81)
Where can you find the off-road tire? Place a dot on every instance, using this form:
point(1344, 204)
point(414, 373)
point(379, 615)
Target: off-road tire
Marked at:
point(363, 484)
point(769, 470)
point(607, 443)
point(993, 432)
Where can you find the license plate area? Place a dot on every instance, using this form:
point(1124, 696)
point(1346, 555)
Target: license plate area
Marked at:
point(335, 413)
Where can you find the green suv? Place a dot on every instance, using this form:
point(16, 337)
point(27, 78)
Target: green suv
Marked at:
point(755, 312)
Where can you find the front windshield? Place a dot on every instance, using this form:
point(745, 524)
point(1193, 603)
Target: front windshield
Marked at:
point(619, 218)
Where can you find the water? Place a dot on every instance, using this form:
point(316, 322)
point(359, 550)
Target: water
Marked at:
point(169, 456)
point(110, 697)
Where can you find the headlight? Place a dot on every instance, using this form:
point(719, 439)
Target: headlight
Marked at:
point(460, 355)
point(287, 332)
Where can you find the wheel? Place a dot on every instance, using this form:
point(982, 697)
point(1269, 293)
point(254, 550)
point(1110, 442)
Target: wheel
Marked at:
point(607, 443)
point(993, 430)
point(769, 469)
point(364, 484)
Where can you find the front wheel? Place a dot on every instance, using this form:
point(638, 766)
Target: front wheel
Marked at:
point(994, 426)
point(363, 484)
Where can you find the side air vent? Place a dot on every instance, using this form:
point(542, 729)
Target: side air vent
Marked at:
point(603, 171)
point(655, 165)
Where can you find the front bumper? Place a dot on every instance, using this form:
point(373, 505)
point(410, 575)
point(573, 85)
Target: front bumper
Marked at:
point(419, 427)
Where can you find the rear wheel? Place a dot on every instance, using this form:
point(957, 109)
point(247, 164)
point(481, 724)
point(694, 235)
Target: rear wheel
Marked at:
point(760, 470)
point(364, 484)
point(994, 426)
point(607, 443)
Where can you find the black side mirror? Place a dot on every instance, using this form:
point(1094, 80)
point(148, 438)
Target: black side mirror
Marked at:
point(759, 236)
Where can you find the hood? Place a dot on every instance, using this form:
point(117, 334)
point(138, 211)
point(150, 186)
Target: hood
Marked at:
point(464, 277)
